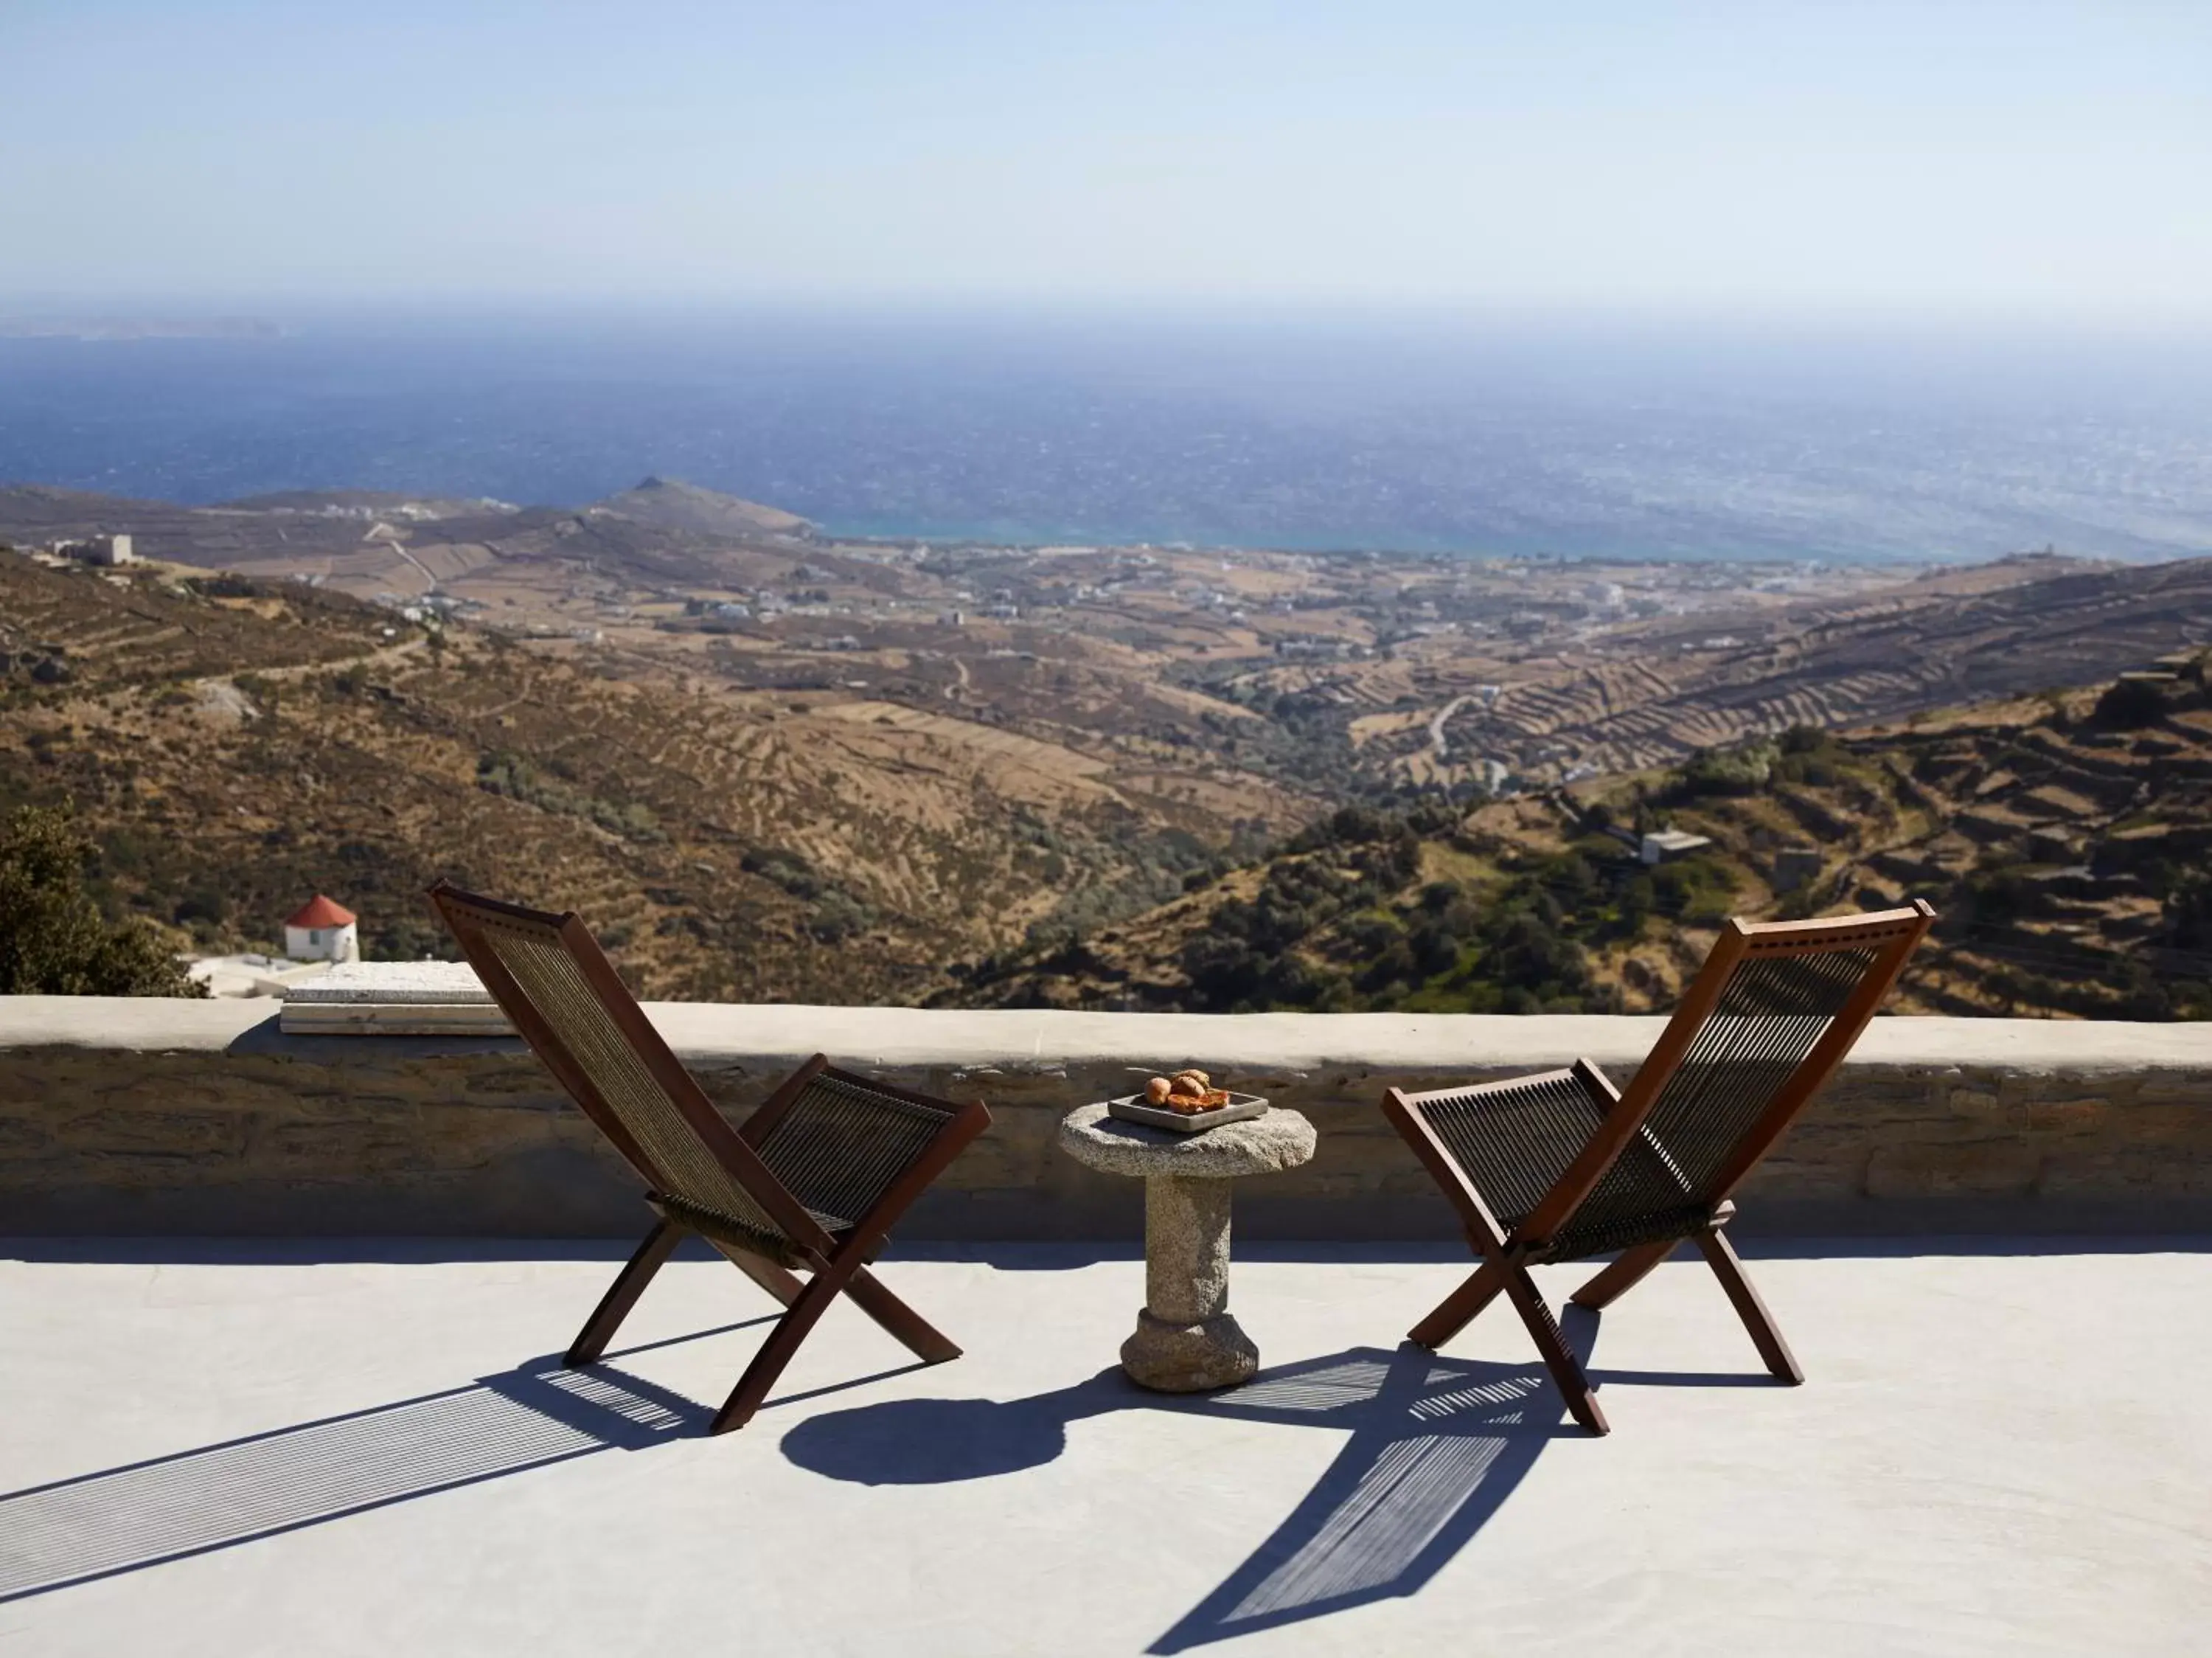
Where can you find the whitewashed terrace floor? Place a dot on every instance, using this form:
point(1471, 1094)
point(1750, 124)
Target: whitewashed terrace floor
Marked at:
point(2002, 1448)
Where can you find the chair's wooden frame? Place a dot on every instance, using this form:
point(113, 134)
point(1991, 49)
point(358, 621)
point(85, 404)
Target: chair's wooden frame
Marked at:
point(836, 1266)
point(1505, 1255)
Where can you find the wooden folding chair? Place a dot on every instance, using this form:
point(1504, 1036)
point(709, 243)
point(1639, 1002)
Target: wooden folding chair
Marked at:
point(812, 1182)
point(1563, 1166)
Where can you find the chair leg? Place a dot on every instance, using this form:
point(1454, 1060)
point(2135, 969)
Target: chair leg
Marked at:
point(1559, 1358)
point(777, 1352)
point(923, 1339)
point(1721, 1255)
point(784, 1286)
point(805, 1302)
point(614, 1306)
point(1623, 1276)
point(1457, 1310)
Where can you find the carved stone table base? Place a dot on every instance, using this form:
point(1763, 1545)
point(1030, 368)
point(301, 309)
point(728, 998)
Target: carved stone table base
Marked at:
point(1186, 1342)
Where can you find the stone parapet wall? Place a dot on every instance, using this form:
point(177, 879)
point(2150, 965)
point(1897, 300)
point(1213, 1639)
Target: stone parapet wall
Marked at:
point(123, 1115)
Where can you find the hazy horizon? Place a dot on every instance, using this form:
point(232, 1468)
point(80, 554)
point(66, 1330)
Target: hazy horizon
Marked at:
point(2037, 162)
point(1763, 279)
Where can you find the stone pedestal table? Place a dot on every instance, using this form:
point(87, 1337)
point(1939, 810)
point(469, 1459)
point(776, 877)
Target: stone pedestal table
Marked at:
point(1185, 1340)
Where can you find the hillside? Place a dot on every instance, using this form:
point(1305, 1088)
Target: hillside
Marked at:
point(1652, 691)
point(370, 541)
point(2065, 840)
point(795, 834)
point(702, 721)
point(679, 506)
point(234, 746)
point(1341, 676)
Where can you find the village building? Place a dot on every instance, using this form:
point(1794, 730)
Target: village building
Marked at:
point(322, 929)
point(103, 550)
point(1665, 846)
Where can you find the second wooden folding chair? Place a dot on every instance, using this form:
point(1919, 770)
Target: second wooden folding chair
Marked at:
point(812, 1182)
point(1563, 1167)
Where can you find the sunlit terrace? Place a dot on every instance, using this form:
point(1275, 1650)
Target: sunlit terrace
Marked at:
point(304, 1441)
point(217, 1449)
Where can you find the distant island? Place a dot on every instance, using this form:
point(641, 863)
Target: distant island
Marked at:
point(128, 328)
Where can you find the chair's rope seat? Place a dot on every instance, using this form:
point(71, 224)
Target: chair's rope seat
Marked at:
point(1515, 1141)
point(838, 1149)
point(768, 1244)
point(842, 1145)
point(1578, 1242)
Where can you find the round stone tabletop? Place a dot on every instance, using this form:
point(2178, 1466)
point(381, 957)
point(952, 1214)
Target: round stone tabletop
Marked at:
point(1277, 1140)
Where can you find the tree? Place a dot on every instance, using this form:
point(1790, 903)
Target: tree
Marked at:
point(2130, 705)
point(53, 939)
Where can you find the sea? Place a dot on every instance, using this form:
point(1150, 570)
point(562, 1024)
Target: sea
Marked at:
point(1425, 433)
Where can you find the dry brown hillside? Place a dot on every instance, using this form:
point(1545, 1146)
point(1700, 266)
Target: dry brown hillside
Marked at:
point(2065, 840)
point(1652, 692)
point(234, 745)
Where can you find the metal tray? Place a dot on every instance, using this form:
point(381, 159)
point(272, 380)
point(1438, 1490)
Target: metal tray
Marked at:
point(1131, 1108)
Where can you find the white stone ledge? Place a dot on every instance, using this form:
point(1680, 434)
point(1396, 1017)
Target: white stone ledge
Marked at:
point(713, 1033)
point(133, 1116)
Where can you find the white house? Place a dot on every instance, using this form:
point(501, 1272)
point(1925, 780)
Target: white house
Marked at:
point(322, 930)
point(1665, 846)
point(107, 550)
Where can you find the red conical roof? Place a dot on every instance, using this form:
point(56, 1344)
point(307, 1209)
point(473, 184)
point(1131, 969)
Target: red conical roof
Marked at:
point(321, 911)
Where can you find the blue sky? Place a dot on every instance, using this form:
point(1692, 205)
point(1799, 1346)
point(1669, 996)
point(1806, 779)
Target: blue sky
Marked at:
point(1976, 159)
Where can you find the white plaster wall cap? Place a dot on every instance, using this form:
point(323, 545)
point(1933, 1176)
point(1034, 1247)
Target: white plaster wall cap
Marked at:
point(1242, 1049)
point(1239, 1048)
point(1025, 1042)
point(1259, 1145)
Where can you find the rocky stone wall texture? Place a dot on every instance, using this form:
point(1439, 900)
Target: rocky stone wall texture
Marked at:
point(258, 1134)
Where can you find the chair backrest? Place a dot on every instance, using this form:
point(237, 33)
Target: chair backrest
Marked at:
point(556, 986)
point(1773, 1012)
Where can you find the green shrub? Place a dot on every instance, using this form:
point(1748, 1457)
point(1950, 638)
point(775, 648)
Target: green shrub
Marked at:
point(518, 778)
point(789, 870)
point(2187, 909)
point(838, 915)
point(53, 939)
point(1744, 769)
point(2129, 705)
point(1695, 890)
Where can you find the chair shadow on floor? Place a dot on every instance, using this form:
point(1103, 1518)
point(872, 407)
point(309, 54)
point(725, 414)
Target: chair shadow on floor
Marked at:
point(1436, 1445)
point(145, 1514)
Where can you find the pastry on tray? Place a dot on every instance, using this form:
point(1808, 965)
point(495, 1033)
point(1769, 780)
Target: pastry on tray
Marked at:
point(1187, 1091)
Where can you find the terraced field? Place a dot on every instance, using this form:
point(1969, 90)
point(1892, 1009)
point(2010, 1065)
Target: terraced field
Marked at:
point(98, 629)
point(2065, 838)
point(1656, 694)
point(732, 843)
point(778, 767)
